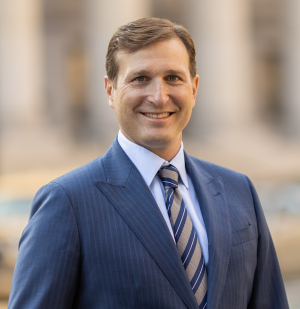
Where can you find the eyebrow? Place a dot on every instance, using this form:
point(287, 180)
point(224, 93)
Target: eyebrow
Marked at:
point(146, 72)
point(139, 72)
point(174, 72)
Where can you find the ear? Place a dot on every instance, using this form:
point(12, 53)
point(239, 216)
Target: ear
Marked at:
point(195, 83)
point(109, 89)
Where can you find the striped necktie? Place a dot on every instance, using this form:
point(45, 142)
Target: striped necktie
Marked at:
point(185, 235)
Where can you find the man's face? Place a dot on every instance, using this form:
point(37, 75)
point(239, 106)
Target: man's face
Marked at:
point(154, 94)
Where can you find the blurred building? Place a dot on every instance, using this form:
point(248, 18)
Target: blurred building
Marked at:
point(52, 57)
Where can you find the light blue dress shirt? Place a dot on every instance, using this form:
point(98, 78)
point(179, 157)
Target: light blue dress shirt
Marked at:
point(148, 165)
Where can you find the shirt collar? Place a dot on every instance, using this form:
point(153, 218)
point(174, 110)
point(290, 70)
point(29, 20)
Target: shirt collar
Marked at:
point(149, 163)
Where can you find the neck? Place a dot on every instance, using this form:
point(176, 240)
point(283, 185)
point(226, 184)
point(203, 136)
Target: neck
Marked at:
point(167, 150)
point(167, 153)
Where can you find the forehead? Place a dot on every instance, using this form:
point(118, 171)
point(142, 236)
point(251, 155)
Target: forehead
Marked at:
point(170, 54)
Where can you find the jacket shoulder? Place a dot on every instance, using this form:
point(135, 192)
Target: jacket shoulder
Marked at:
point(82, 176)
point(215, 170)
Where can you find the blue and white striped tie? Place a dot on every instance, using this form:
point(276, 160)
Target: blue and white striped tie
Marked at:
point(185, 235)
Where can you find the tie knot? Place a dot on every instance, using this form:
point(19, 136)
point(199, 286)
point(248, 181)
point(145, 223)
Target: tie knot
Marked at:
point(169, 176)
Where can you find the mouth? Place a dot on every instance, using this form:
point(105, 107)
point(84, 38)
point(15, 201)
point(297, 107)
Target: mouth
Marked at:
point(161, 115)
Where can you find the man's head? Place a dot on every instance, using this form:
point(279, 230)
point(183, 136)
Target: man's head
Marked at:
point(152, 84)
point(142, 32)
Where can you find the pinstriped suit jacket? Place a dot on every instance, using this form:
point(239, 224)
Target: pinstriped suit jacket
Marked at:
point(96, 239)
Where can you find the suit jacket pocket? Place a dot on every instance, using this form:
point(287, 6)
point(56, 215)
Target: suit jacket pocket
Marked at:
point(243, 235)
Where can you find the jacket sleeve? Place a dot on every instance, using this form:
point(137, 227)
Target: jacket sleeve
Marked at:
point(268, 290)
point(47, 269)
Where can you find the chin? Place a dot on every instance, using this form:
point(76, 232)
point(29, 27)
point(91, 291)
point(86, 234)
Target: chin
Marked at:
point(157, 141)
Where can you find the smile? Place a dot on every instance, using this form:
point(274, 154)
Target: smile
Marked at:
point(163, 115)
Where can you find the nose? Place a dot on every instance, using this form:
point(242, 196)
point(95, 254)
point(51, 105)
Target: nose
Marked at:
point(158, 93)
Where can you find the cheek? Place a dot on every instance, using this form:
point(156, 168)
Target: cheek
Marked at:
point(126, 114)
point(185, 104)
point(130, 101)
point(183, 96)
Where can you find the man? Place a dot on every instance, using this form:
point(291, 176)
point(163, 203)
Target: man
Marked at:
point(146, 225)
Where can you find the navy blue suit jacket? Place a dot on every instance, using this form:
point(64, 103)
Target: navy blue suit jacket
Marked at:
point(96, 239)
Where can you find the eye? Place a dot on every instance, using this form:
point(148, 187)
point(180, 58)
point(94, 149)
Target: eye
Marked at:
point(141, 79)
point(173, 78)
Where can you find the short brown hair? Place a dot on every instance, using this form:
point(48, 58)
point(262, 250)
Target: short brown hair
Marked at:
point(145, 31)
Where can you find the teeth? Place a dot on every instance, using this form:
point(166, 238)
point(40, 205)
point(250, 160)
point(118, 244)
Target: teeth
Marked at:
point(157, 115)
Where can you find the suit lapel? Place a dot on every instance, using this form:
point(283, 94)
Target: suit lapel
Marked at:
point(212, 201)
point(125, 188)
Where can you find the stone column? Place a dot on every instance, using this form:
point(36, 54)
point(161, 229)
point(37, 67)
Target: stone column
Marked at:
point(103, 17)
point(291, 67)
point(222, 35)
point(21, 85)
